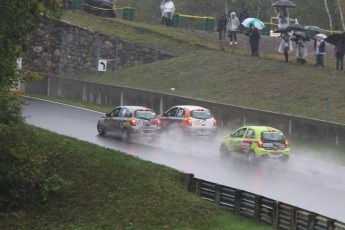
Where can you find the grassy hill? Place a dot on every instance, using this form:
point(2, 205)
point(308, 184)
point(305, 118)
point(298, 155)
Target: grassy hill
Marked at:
point(206, 69)
point(90, 187)
point(308, 12)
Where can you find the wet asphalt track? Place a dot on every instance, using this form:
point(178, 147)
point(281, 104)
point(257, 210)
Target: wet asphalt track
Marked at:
point(309, 184)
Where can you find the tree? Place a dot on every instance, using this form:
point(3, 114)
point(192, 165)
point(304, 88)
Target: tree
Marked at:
point(17, 19)
point(341, 15)
point(21, 160)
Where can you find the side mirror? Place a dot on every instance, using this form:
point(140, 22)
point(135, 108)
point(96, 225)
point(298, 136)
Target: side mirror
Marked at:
point(129, 114)
point(232, 135)
point(107, 114)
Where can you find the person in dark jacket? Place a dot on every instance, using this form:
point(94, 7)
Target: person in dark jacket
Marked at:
point(221, 26)
point(320, 50)
point(339, 51)
point(254, 38)
point(243, 15)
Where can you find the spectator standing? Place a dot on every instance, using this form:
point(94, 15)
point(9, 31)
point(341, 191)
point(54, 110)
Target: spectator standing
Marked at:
point(285, 46)
point(232, 27)
point(320, 51)
point(284, 19)
point(301, 51)
point(254, 38)
point(162, 11)
point(243, 15)
point(339, 51)
point(168, 12)
point(221, 26)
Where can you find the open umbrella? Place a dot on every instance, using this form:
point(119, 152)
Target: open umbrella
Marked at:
point(297, 27)
point(256, 22)
point(284, 3)
point(301, 34)
point(315, 29)
point(323, 36)
point(335, 38)
point(281, 30)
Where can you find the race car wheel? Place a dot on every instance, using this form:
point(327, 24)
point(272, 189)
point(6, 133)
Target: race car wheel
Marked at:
point(100, 130)
point(223, 150)
point(251, 157)
point(125, 135)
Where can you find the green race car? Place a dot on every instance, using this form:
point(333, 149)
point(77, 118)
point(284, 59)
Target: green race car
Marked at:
point(256, 142)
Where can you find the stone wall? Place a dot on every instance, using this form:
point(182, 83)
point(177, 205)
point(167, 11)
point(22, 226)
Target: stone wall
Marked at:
point(61, 47)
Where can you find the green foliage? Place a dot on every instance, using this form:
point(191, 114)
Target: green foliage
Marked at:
point(53, 186)
point(21, 160)
point(113, 190)
point(17, 19)
point(10, 112)
point(22, 164)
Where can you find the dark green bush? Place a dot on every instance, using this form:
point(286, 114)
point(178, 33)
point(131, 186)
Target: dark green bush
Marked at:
point(22, 157)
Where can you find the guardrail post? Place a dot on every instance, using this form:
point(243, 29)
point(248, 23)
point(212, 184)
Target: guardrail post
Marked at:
point(275, 215)
point(238, 202)
point(293, 219)
point(197, 184)
point(257, 203)
point(217, 194)
point(187, 179)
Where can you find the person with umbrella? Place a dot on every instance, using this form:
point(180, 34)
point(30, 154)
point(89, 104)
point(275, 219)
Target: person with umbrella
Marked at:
point(254, 38)
point(338, 40)
point(283, 15)
point(284, 19)
point(301, 50)
point(285, 46)
point(320, 50)
point(339, 50)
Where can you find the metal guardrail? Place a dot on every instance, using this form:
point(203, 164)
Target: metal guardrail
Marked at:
point(261, 209)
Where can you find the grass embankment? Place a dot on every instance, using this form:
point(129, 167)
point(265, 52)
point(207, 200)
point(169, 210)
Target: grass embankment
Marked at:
point(111, 190)
point(201, 70)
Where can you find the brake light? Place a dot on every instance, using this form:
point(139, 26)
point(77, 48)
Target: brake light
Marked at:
point(189, 122)
point(214, 122)
point(200, 110)
point(133, 122)
point(158, 122)
point(260, 144)
point(287, 144)
point(271, 130)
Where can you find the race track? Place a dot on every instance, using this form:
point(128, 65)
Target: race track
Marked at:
point(306, 183)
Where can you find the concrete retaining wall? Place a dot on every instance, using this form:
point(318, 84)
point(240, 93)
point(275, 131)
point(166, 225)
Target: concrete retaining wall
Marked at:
point(226, 115)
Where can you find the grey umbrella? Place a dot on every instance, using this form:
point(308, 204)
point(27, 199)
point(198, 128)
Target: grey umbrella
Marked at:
point(315, 29)
point(284, 3)
point(301, 34)
point(281, 30)
point(297, 27)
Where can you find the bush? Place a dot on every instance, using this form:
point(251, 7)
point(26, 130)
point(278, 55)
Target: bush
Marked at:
point(22, 163)
point(22, 157)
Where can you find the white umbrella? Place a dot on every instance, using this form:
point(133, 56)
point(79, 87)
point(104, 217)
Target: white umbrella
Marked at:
point(323, 36)
point(256, 22)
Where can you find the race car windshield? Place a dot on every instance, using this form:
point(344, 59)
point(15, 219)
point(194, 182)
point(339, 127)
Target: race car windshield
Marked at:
point(200, 114)
point(272, 136)
point(147, 114)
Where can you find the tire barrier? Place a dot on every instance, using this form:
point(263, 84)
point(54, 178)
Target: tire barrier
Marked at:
point(260, 209)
